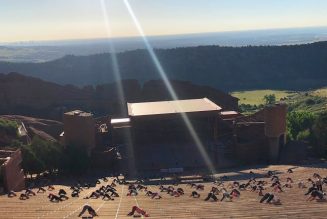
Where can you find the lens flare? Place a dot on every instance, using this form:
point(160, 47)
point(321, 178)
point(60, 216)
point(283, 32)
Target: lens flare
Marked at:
point(170, 89)
point(121, 94)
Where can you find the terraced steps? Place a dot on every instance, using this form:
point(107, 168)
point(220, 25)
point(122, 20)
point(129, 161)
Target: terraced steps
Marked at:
point(294, 204)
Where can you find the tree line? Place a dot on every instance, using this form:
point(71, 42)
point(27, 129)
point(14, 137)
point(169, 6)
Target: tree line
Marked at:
point(48, 156)
point(308, 127)
point(295, 67)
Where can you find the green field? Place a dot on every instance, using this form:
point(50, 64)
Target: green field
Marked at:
point(255, 97)
point(314, 101)
point(320, 92)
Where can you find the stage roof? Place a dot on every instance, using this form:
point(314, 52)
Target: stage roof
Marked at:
point(172, 107)
point(78, 113)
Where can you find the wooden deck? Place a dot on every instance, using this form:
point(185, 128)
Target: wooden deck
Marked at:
point(294, 204)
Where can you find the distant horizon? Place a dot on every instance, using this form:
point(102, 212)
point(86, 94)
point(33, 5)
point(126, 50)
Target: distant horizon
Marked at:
point(154, 36)
point(48, 20)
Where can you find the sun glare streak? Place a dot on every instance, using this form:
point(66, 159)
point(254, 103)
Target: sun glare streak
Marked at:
point(121, 94)
point(113, 56)
point(171, 90)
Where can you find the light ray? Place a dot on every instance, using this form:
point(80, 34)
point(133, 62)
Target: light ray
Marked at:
point(121, 94)
point(170, 89)
point(113, 56)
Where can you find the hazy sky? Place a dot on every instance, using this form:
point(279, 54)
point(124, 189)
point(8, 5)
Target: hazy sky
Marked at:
point(24, 20)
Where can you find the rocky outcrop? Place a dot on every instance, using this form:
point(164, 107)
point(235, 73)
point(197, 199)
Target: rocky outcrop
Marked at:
point(44, 128)
point(28, 96)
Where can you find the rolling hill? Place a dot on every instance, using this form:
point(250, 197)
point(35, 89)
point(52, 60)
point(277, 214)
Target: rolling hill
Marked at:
point(296, 67)
point(314, 101)
point(28, 96)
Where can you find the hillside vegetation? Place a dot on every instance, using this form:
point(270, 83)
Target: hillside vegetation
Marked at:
point(22, 95)
point(320, 92)
point(297, 67)
point(314, 101)
point(256, 97)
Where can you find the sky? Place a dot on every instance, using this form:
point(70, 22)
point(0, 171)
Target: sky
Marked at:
point(36, 20)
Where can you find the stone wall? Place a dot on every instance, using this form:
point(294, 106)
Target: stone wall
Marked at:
point(79, 130)
point(13, 175)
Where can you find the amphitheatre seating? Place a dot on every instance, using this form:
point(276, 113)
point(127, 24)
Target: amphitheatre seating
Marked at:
point(294, 204)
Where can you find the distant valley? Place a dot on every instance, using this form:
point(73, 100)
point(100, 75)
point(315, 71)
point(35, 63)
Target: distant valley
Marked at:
point(292, 67)
point(42, 51)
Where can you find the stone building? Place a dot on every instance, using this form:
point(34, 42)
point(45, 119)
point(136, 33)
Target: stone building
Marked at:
point(11, 173)
point(79, 130)
point(262, 136)
point(173, 136)
point(162, 133)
